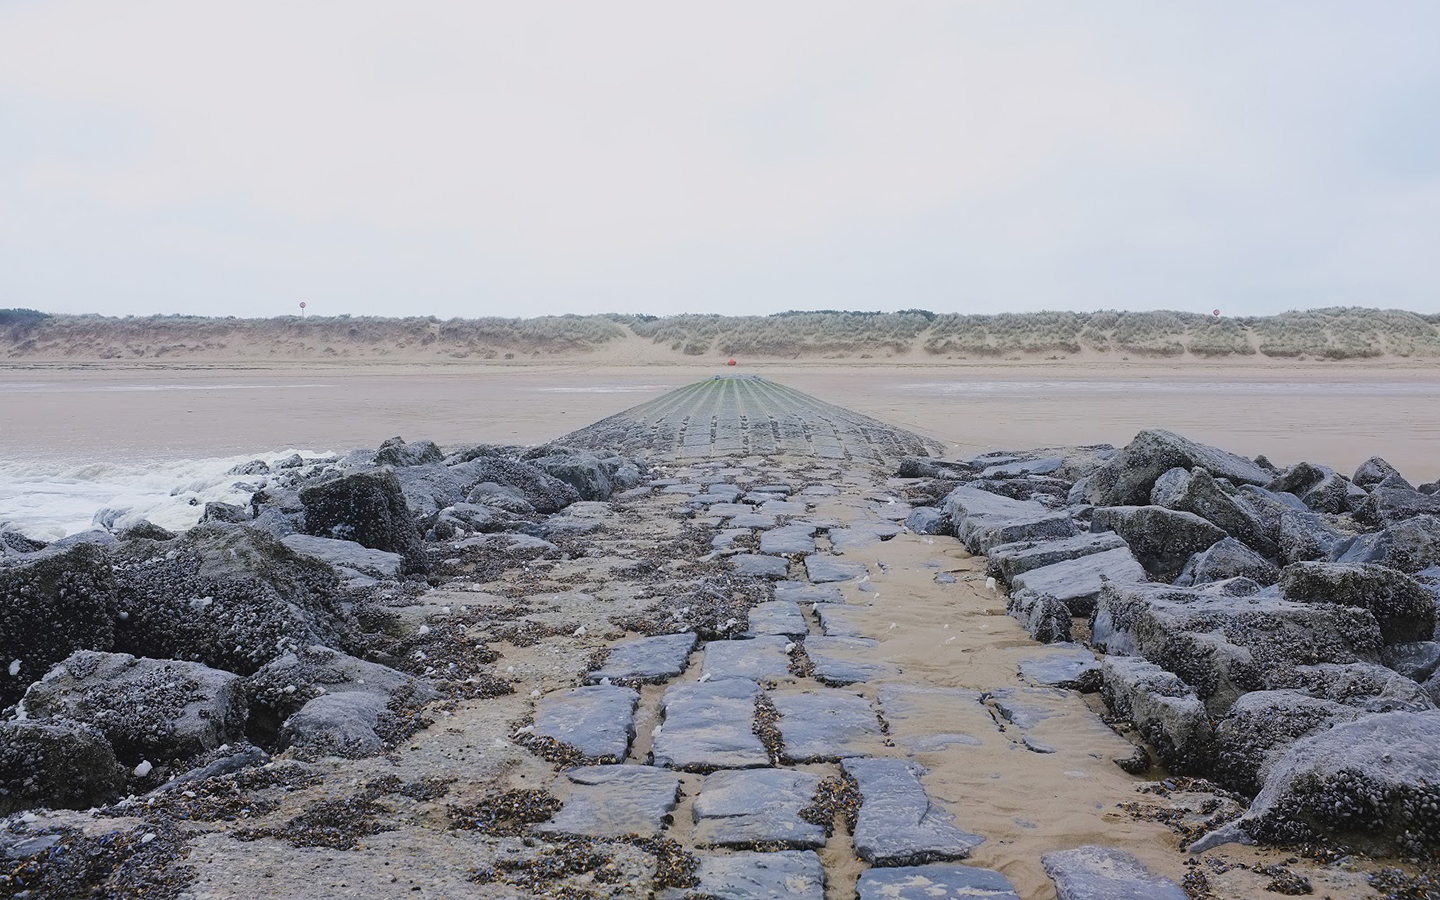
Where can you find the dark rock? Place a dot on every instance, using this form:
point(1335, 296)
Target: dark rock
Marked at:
point(15, 543)
point(898, 825)
point(823, 569)
point(347, 724)
point(937, 881)
point(984, 520)
point(1008, 560)
point(145, 530)
point(1361, 685)
point(1409, 546)
point(253, 467)
point(1195, 491)
point(708, 726)
point(1046, 618)
point(1064, 666)
point(57, 765)
point(597, 720)
point(543, 491)
point(613, 801)
point(1334, 494)
point(224, 513)
point(1103, 873)
point(50, 607)
point(346, 555)
point(1261, 726)
point(580, 469)
point(1224, 646)
point(1404, 610)
point(148, 709)
point(1077, 582)
point(646, 660)
point(820, 726)
point(1372, 785)
point(760, 566)
point(490, 495)
point(929, 520)
point(431, 487)
point(1127, 478)
point(1298, 479)
point(1163, 540)
point(1373, 471)
point(757, 806)
point(1430, 489)
point(1228, 558)
point(368, 508)
point(1163, 709)
point(1416, 661)
point(1304, 536)
point(395, 452)
point(1389, 503)
point(783, 875)
point(231, 597)
point(1042, 466)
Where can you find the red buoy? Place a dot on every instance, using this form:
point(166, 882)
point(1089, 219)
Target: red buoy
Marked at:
point(730, 363)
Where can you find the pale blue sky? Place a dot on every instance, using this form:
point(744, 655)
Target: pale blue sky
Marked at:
point(471, 158)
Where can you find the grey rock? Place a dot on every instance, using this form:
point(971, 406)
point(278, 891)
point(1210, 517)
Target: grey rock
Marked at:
point(823, 569)
point(1163, 709)
point(760, 566)
point(708, 726)
point(1064, 666)
point(835, 663)
point(728, 537)
point(742, 808)
point(580, 469)
point(60, 765)
point(928, 719)
point(543, 491)
point(1362, 685)
point(368, 508)
point(862, 534)
point(646, 660)
point(1261, 726)
point(161, 710)
point(1416, 661)
point(612, 801)
point(347, 554)
point(800, 592)
point(1305, 536)
point(839, 621)
point(788, 540)
point(752, 520)
point(49, 608)
point(1328, 786)
point(1043, 466)
point(395, 452)
point(1163, 540)
point(937, 881)
point(783, 875)
point(898, 825)
point(1103, 873)
point(431, 487)
point(473, 517)
point(345, 724)
point(1126, 478)
point(1195, 491)
point(1333, 494)
point(503, 497)
point(1045, 618)
point(1227, 558)
point(1404, 610)
point(753, 658)
point(984, 520)
point(819, 726)
point(224, 512)
point(597, 720)
point(1409, 546)
point(779, 617)
point(1223, 646)
point(783, 508)
point(1077, 582)
point(1373, 471)
point(253, 467)
point(1009, 560)
point(1390, 502)
point(928, 520)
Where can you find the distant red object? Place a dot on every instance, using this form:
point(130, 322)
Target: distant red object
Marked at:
point(730, 363)
point(1216, 312)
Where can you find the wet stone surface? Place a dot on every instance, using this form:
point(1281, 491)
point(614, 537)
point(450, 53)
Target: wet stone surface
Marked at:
point(839, 661)
point(823, 569)
point(825, 725)
point(613, 801)
point(777, 617)
point(754, 806)
point(753, 658)
point(937, 881)
point(1067, 666)
point(598, 720)
point(1102, 873)
point(786, 875)
point(647, 659)
point(708, 726)
point(760, 565)
point(800, 592)
point(788, 540)
point(898, 825)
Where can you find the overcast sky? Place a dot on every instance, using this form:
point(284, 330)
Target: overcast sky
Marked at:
point(523, 158)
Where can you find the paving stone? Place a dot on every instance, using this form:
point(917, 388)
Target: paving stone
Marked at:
point(647, 659)
point(822, 568)
point(752, 520)
point(785, 875)
point(824, 725)
point(783, 508)
point(731, 509)
point(1103, 873)
point(938, 881)
point(862, 535)
point(613, 801)
point(820, 490)
point(1008, 560)
point(898, 825)
point(894, 510)
point(1065, 666)
point(728, 537)
point(598, 720)
point(788, 540)
point(754, 658)
point(839, 621)
point(778, 617)
point(683, 489)
point(836, 660)
point(984, 520)
point(1077, 582)
point(760, 565)
point(925, 719)
point(708, 726)
point(800, 592)
point(741, 808)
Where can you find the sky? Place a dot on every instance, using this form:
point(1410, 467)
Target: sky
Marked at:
point(517, 159)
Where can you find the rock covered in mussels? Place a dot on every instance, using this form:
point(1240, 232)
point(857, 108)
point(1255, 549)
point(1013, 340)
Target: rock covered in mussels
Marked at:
point(368, 508)
point(62, 765)
point(1127, 478)
point(1404, 610)
point(1163, 540)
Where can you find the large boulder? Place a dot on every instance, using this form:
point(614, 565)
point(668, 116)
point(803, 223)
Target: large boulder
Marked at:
point(346, 555)
point(395, 452)
point(1127, 478)
point(1410, 545)
point(1162, 539)
point(1077, 582)
point(51, 606)
point(229, 596)
point(1008, 560)
point(1225, 646)
point(984, 520)
point(368, 508)
point(1261, 726)
point(543, 491)
point(580, 469)
point(1373, 471)
point(59, 765)
point(1162, 708)
point(162, 710)
point(1195, 491)
point(1305, 536)
point(1372, 785)
point(1404, 610)
point(1228, 558)
point(1394, 500)
point(1363, 685)
point(430, 487)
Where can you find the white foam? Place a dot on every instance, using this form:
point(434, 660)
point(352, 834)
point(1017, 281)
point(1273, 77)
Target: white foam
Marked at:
point(49, 500)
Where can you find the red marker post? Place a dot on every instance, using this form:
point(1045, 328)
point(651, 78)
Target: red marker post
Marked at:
point(302, 309)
